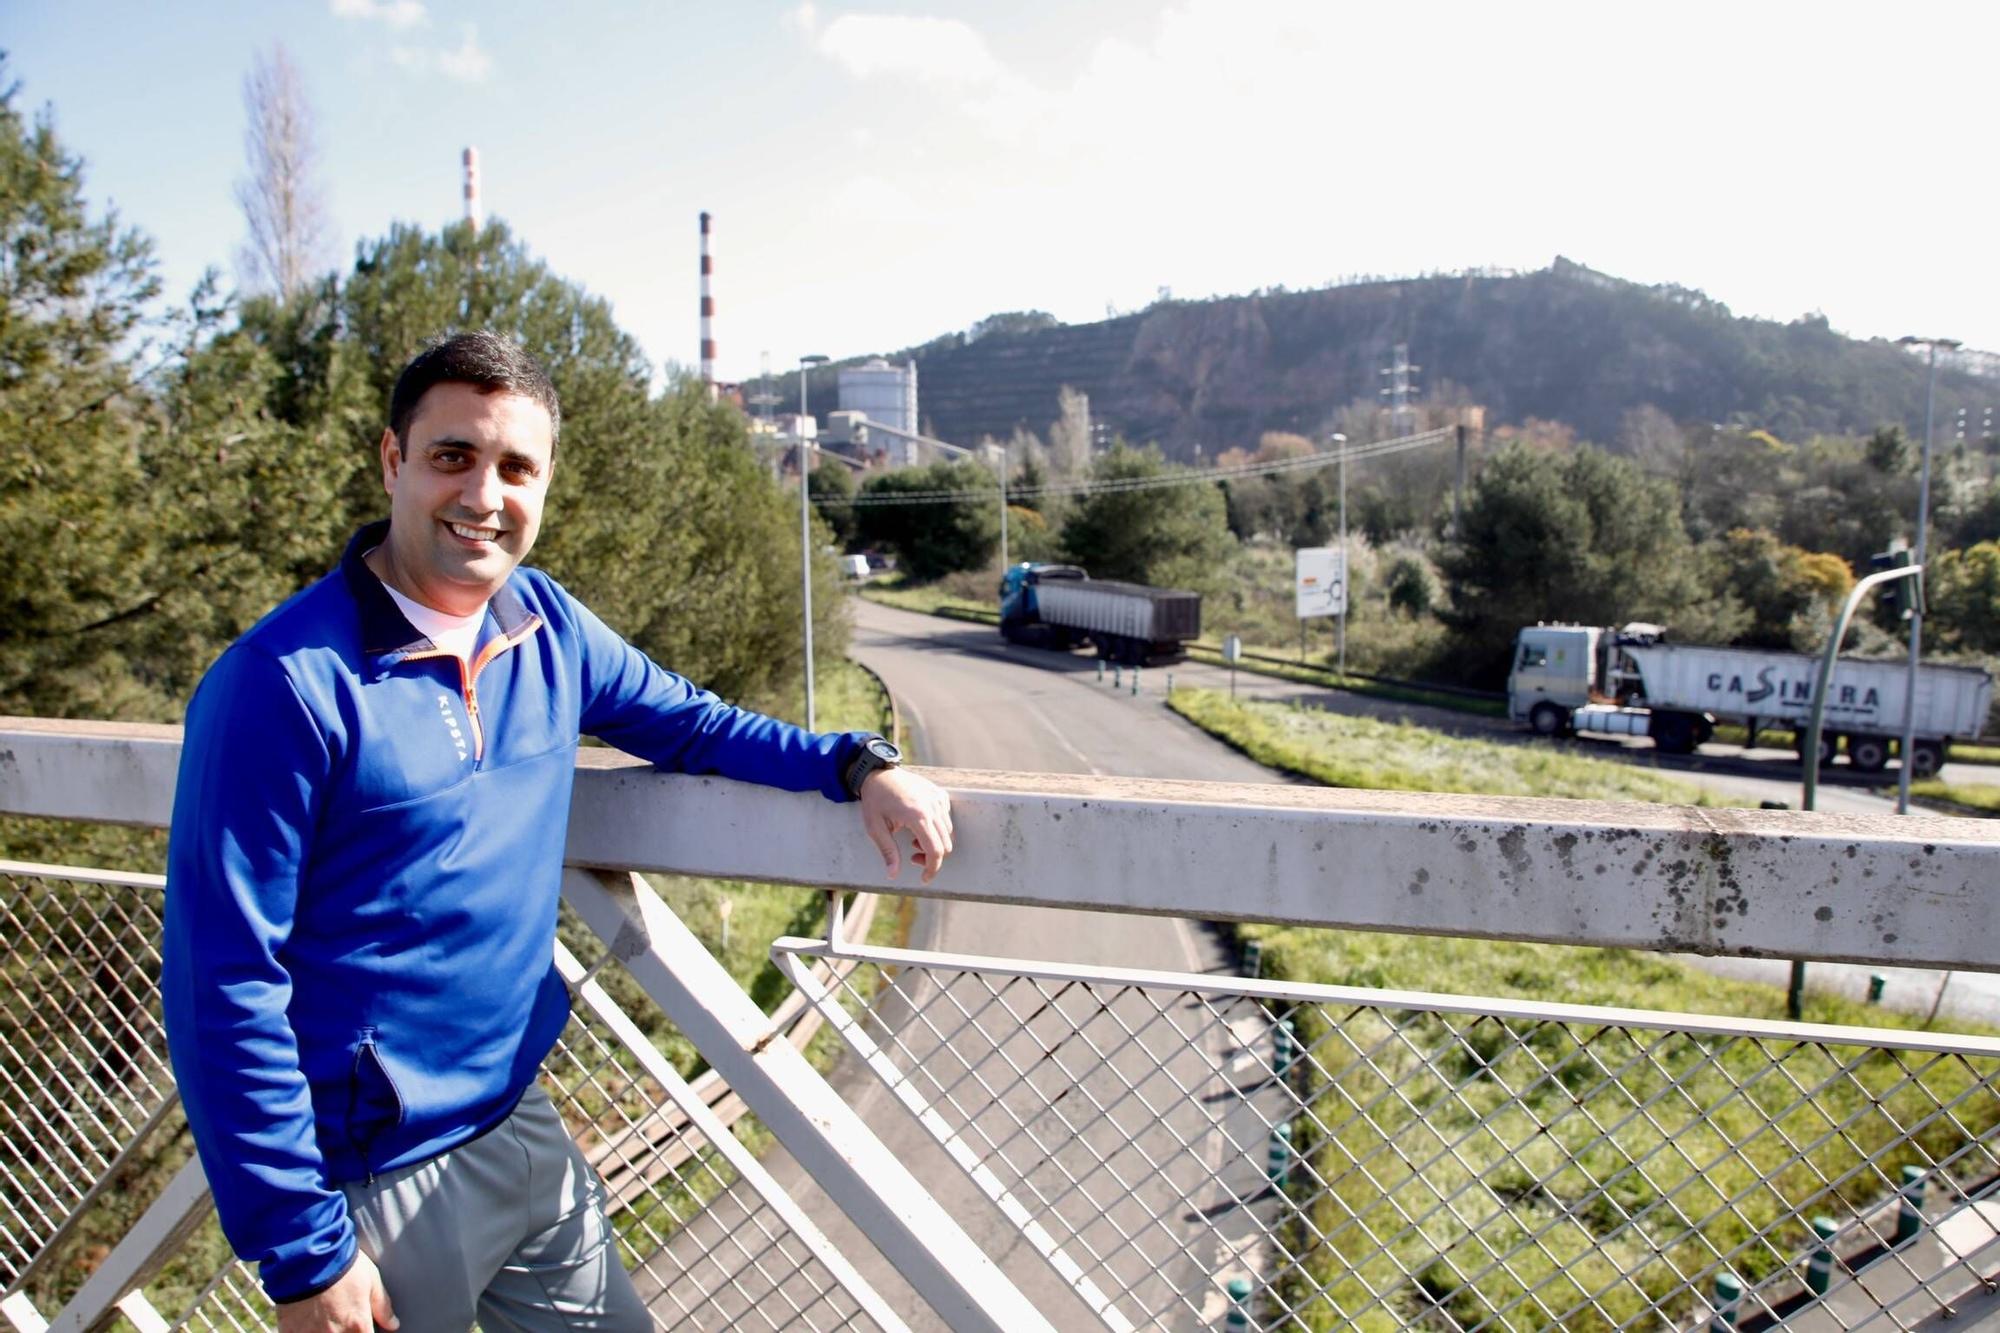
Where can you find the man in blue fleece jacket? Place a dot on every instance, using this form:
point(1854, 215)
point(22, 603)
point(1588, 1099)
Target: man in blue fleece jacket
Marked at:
point(363, 877)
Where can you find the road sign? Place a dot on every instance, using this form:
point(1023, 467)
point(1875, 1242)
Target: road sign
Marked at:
point(1322, 582)
point(1232, 649)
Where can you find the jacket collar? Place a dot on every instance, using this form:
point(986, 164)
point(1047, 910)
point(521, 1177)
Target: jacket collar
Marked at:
point(385, 630)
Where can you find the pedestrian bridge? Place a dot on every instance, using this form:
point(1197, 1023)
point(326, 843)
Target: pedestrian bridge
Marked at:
point(1119, 1148)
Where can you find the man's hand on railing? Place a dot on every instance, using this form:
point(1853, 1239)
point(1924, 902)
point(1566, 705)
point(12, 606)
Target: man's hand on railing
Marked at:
point(895, 798)
point(358, 1303)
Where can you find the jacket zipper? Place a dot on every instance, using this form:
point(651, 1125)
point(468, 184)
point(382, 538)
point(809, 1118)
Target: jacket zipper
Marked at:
point(468, 678)
point(362, 1047)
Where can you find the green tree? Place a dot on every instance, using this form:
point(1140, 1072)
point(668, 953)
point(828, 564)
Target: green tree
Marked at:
point(718, 596)
point(1413, 585)
point(1584, 537)
point(832, 488)
point(1786, 591)
point(74, 298)
point(243, 506)
point(1030, 476)
point(934, 538)
point(1174, 536)
point(1888, 452)
point(1963, 595)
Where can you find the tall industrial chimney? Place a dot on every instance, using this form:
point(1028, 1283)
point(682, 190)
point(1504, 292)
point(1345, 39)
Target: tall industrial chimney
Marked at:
point(472, 214)
point(707, 313)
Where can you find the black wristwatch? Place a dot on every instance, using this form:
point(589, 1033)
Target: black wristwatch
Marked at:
point(871, 756)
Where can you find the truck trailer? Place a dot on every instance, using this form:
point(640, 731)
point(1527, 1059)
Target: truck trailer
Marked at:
point(1061, 606)
point(1586, 680)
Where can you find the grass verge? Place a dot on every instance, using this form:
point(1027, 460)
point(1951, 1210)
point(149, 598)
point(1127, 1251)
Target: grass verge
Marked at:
point(1973, 797)
point(1524, 1138)
point(931, 598)
point(1362, 752)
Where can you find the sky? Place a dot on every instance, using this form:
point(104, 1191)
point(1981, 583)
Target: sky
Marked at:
point(883, 173)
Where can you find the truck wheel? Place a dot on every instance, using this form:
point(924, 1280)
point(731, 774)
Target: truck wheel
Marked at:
point(1829, 743)
point(1869, 754)
point(1548, 719)
point(1674, 733)
point(1926, 758)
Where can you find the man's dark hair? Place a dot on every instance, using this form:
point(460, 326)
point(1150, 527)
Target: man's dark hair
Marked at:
point(483, 359)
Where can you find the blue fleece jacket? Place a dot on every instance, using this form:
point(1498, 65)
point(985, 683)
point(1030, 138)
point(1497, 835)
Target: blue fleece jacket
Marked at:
point(363, 876)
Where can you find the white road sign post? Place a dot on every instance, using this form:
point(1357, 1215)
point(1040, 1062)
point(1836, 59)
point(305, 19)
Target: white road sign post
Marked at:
point(1232, 652)
point(1321, 588)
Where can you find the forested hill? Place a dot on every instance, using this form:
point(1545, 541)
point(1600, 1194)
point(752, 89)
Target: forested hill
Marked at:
point(1565, 343)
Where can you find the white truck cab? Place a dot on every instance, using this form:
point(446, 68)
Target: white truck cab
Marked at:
point(1553, 674)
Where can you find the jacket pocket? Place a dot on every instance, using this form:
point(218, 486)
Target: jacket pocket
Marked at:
point(374, 1107)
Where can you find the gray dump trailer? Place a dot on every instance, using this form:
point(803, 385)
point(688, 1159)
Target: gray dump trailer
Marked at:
point(1059, 606)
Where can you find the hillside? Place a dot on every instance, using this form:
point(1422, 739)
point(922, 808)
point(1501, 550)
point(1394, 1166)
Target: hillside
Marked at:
point(1565, 343)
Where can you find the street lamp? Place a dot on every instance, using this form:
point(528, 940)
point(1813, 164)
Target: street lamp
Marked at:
point(805, 531)
point(1917, 603)
point(1339, 441)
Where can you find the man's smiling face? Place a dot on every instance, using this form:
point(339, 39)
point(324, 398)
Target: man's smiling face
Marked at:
point(465, 498)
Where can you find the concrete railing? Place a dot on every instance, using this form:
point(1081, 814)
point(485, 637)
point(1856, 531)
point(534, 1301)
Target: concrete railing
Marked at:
point(1915, 890)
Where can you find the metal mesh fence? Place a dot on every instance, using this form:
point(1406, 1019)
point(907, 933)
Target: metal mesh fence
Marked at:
point(1321, 1157)
point(83, 1072)
point(84, 1080)
point(704, 1251)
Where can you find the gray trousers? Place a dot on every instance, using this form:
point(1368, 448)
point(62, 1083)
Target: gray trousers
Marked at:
point(508, 1229)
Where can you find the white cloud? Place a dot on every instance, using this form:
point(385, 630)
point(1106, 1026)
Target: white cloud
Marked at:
point(467, 63)
point(940, 51)
point(803, 18)
point(398, 14)
point(946, 55)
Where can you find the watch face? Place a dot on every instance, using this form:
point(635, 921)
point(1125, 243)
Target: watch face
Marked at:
point(883, 750)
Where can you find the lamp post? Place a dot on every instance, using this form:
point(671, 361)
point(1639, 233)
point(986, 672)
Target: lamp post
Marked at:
point(805, 532)
point(1339, 442)
point(1003, 509)
point(1917, 602)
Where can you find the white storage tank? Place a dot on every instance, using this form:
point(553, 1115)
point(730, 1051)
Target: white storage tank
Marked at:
point(882, 392)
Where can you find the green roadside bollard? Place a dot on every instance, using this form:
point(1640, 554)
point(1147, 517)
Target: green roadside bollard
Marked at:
point(1170, 684)
point(1876, 981)
point(1728, 1300)
point(1819, 1268)
point(1282, 1046)
point(1239, 1306)
point(1115, 677)
point(1278, 1162)
point(1253, 957)
point(1910, 1210)
point(1100, 671)
point(1135, 682)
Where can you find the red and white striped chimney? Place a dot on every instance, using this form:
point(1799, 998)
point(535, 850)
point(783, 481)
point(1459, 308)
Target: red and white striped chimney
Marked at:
point(472, 188)
point(707, 313)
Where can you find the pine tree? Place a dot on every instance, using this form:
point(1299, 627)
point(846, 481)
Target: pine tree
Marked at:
point(74, 298)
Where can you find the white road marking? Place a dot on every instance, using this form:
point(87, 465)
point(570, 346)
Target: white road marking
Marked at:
point(1061, 739)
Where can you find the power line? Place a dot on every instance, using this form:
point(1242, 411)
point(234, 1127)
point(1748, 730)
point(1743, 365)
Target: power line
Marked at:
point(1190, 477)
